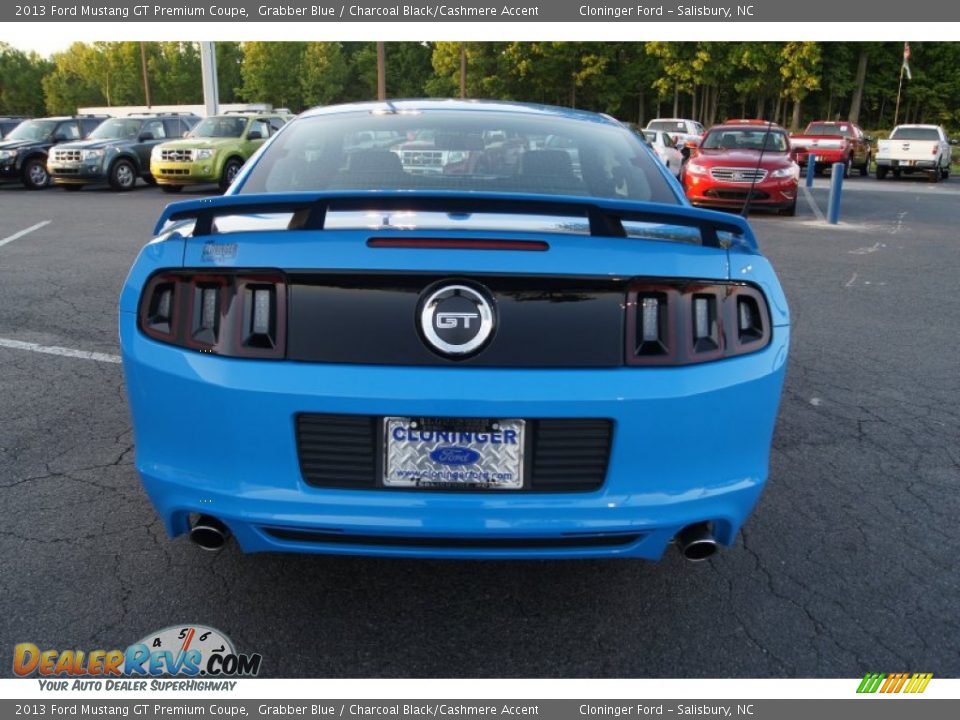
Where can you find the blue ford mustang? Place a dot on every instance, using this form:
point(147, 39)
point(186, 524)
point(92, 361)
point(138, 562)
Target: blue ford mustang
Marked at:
point(453, 329)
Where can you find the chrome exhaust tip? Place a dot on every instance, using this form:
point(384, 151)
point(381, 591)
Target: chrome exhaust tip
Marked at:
point(696, 542)
point(209, 533)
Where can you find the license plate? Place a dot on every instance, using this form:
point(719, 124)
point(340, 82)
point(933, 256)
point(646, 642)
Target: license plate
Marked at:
point(453, 453)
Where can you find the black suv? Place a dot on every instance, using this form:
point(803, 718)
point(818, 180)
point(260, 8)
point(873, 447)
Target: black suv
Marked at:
point(117, 152)
point(23, 153)
point(9, 122)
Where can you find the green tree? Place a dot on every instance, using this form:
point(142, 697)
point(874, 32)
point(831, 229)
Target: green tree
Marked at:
point(229, 70)
point(326, 73)
point(271, 73)
point(175, 76)
point(800, 69)
point(21, 75)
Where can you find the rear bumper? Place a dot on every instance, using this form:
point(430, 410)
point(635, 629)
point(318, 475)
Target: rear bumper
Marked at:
point(908, 165)
point(216, 436)
point(824, 157)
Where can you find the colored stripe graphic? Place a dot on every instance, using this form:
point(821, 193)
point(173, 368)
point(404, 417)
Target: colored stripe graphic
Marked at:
point(894, 683)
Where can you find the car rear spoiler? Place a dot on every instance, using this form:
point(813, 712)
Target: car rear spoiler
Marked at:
point(605, 216)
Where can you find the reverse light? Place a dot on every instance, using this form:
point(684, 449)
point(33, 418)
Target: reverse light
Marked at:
point(686, 321)
point(236, 315)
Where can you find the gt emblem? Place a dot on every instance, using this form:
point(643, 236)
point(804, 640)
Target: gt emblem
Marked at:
point(452, 319)
point(456, 320)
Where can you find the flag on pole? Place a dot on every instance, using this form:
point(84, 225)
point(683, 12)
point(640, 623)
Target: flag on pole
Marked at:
point(906, 60)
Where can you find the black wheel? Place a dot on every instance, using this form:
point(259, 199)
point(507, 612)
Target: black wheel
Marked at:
point(896, 174)
point(848, 167)
point(945, 173)
point(171, 188)
point(123, 175)
point(72, 188)
point(934, 176)
point(865, 168)
point(789, 211)
point(230, 170)
point(881, 172)
point(34, 174)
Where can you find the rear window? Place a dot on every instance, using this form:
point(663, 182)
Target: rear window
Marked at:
point(915, 133)
point(829, 129)
point(459, 151)
point(668, 126)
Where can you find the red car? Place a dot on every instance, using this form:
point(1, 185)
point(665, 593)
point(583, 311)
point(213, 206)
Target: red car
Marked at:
point(833, 142)
point(728, 166)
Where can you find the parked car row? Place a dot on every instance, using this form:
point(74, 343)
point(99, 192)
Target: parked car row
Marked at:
point(166, 148)
point(744, 158)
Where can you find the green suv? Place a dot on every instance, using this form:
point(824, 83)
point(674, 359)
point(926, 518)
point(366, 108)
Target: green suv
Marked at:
point(214, 151)
point(117, 152)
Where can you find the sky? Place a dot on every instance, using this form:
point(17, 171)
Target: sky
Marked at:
point(40, 43)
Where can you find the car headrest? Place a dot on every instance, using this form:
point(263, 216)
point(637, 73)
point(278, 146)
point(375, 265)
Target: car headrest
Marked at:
point(382, 162)
point(458, 141)
point(555, 163)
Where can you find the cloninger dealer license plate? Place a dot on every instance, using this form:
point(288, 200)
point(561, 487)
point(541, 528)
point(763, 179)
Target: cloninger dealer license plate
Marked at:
point(451, 453)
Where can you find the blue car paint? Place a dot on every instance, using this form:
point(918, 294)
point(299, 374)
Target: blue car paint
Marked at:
point(215, 435)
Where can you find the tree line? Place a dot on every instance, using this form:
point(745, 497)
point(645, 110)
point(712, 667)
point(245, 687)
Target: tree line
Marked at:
point(789, 82)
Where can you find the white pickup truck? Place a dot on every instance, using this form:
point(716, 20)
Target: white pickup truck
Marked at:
point(915, 149)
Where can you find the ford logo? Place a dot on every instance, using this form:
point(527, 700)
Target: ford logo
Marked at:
point(455, 456)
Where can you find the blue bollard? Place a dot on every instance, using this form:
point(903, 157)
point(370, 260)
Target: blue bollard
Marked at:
point(811, 169)
point(836, 186)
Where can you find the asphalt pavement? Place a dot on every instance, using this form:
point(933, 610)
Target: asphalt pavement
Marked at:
point(849, 564)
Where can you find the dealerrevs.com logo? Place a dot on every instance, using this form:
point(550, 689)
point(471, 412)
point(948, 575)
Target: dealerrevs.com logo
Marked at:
point(182, 651)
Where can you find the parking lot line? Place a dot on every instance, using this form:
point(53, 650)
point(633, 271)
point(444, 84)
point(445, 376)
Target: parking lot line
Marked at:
point(812, 203)
point(27, 231)
point(55, 350)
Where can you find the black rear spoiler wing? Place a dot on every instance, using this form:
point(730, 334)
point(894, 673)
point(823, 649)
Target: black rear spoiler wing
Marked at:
point(605, 216)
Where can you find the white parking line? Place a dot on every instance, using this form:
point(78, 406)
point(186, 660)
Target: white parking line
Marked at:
point(62, 351)
point(812, 203)
point(18, 235)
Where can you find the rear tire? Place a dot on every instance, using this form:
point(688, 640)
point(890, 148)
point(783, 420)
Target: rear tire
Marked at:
point(934, 176)
point(865, 168)
point(34, 174)
point(171, 188)
point(123, 176)
point(848, 167)
point(881, 172)
point(230, 170)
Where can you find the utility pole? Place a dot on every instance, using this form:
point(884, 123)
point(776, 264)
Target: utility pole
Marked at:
point(143, 67)
point(381, 73)
point(463, 70)
point(208, 70)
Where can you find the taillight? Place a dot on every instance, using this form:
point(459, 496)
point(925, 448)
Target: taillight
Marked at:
point(232, 314)
point(690, 322)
